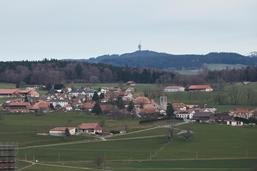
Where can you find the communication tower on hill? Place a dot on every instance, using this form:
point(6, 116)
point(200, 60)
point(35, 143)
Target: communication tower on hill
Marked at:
point(139, 47)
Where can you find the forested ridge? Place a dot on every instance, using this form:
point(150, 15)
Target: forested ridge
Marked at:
point(61, 71)
point(151, 59)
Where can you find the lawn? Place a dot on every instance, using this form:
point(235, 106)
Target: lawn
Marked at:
point(224, 97)
point(23, 128)
point(7, 85)
point(184, 165)
point(213, 146)
point(210, 143)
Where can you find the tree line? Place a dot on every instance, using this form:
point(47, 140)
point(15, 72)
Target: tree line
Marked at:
point(61, 71)
point(64, 71)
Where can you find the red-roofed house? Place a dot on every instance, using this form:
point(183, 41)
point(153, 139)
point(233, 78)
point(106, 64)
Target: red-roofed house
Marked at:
point(90, 128)
point(40, 106)
point(15, 92)
point(241, 113)
point(8, 92)
point(17, 106)
point(206, 88)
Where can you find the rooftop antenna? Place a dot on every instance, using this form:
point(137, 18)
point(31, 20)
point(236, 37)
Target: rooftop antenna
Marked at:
point(139, 46)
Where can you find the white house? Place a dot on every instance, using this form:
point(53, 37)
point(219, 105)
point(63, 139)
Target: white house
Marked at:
point(185, 115)
point(104, 90)
point(59, 103)
point(128, 97)
point(170, 89)
point(60, 131)
point(235, 123)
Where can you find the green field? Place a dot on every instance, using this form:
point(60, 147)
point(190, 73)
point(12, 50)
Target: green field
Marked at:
point(23, 128)
point(224, 97)
point(210, 141)
point(7, 85)
point(145, 147)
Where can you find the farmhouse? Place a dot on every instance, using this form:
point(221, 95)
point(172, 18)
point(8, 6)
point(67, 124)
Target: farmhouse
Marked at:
point(241, 113)
point(170, 89)
point(206, 88)
point(90, 128)
point(17, 92)
point(8, 92)
point(28, 92)
point(40, 106)
point(17, 106)
point(62, 131)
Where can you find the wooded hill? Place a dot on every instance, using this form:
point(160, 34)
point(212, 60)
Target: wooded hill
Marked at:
point(59, 71)
point(151, 59)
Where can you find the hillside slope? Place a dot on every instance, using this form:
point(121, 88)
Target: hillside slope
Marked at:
point(151, 59)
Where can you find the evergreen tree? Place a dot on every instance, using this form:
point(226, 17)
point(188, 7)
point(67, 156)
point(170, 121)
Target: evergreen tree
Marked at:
point(97, 109)
point(120, 103)
point(67, 132)
point(131, 106)
point(170, 111)
point(95, 97)
point(101, 96)
point(78, 70)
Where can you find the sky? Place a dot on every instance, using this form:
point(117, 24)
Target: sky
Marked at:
point(75, 29)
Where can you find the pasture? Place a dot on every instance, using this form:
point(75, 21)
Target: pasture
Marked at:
point(145, 147)
point(23, 128)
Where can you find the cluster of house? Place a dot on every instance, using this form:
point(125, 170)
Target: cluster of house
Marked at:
point(175, 88)
point(18, 92)
point(209, 115)
point(80, 99)
point(83, 128)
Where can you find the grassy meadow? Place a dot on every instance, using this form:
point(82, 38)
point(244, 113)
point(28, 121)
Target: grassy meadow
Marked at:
point(145, 147)
point(23, 128)
point(213, 146)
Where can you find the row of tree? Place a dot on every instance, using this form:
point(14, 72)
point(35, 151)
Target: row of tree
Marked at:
point(55, 71)
point(58, 71)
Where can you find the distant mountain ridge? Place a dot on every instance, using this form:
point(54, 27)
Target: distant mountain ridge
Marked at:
point(151, 59)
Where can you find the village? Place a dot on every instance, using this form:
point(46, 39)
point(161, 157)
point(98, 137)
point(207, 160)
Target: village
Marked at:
point(116, 102)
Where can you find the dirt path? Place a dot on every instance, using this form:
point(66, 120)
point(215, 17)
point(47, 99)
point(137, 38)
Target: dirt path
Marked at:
point(52, 165)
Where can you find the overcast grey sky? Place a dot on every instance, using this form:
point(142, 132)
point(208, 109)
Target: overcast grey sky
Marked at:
point(35, 29)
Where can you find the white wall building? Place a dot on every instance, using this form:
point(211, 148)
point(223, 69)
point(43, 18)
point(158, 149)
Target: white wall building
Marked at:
point(60, 131)
point(170, 89)
point(185, 115)
point(235, 123)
